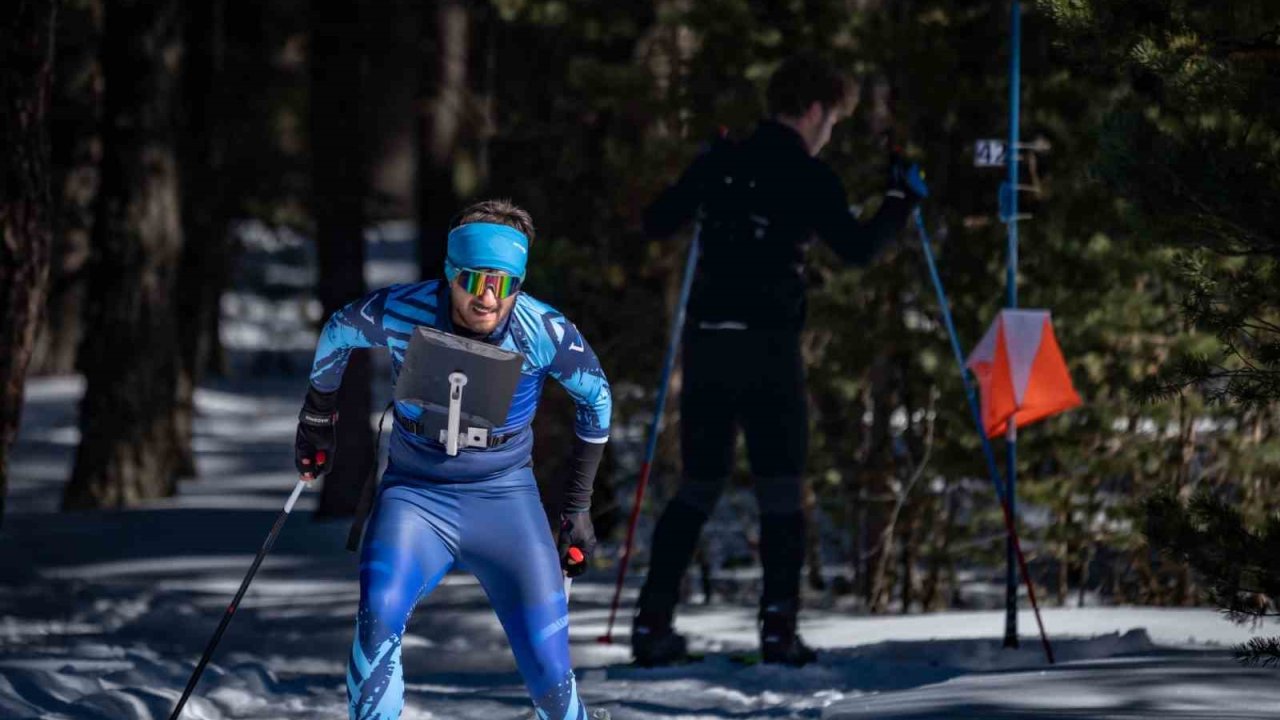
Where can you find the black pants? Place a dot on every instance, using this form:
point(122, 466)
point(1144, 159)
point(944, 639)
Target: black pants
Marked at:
point(753, 380)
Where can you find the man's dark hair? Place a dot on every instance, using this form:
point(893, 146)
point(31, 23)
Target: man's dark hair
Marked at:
point(801, 81)
point(499, 212)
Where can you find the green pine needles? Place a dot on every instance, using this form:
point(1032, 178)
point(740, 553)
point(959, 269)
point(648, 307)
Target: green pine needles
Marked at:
point(1239, 565)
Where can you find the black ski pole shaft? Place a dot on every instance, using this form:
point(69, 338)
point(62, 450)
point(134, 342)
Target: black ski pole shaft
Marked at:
point(235, 603)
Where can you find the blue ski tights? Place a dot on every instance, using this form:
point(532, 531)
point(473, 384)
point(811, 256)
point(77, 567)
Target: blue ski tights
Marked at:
point(494, 528)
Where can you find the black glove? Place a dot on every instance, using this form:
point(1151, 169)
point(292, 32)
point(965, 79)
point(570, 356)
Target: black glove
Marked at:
point(576, 533)
point(317, 434)
point(906, 179)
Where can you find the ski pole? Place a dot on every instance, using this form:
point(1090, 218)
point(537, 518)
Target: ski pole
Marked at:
point(974, 410)
point(575, 557)
point(677, 326)
point(235, 603)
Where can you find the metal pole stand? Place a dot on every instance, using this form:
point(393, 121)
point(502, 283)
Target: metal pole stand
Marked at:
point(457, 381)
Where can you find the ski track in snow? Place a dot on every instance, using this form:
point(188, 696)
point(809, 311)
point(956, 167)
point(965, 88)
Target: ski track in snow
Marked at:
point(104, 614)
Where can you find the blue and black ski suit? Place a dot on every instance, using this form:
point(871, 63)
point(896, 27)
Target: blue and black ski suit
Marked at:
point(479, 510)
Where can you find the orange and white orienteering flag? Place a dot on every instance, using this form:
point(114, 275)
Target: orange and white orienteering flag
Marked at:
point(1020, 370)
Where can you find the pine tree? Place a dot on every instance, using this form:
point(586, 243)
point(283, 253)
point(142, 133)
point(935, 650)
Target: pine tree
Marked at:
point(1192, 142)
point(1240, 564)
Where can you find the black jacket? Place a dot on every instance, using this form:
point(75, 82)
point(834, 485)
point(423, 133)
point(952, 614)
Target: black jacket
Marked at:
point(760, 202)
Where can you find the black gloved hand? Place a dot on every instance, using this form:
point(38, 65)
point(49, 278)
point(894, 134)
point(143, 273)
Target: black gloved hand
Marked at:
point(317, 434)
point(906, 179)
point(576, 533)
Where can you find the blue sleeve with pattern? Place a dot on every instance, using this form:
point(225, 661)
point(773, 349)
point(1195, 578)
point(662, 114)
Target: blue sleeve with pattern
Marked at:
point(576, 367)
point(358, 325)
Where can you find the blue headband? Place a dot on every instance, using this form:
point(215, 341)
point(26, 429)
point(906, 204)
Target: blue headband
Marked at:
point(487, 246)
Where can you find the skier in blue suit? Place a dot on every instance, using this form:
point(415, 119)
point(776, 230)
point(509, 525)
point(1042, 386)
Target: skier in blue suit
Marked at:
point(480, 509)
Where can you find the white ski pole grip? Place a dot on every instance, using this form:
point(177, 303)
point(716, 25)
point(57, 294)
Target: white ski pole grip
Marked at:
point(297, 490)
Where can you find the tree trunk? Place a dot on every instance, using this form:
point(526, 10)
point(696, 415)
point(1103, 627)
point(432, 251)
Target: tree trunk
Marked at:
point(941, 550)
point(443, 117)
point(129, 450)
point(1185, 588)
point(665, 50)
point(910, 552)
point(1064, 549)
point(340, 187)
point(862, 540)
point(813, 539)
point(76, 152)
point(394, 83)
point(874, 475)
point(881, 586)
point(1085, 561)
point(206, 252)
point(60, 333)
point(26, 58)
point(482, 120)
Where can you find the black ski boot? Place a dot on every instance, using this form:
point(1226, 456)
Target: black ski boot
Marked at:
point(779, 642)
point(675, 538)
point(654, 643)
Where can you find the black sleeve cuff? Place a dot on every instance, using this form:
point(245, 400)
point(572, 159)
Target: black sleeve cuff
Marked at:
point(581, 472)
point(318, 404)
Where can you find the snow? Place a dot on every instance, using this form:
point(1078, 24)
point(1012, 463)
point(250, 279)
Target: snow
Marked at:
point(1193, 685)
point(106, 612)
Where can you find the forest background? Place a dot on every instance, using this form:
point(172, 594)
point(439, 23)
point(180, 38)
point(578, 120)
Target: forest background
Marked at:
point(145, 140)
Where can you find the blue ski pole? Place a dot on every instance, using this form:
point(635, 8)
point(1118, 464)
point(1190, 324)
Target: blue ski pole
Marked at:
point(677, 325)
point(974, 410)
point(1011, 271)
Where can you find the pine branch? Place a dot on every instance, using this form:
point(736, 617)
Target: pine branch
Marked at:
point(1259, 652)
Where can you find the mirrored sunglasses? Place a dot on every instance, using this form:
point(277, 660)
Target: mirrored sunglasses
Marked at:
point(477, 281)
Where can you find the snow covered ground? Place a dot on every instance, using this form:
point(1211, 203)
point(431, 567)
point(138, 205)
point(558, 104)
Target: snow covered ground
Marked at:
point(103, 614)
